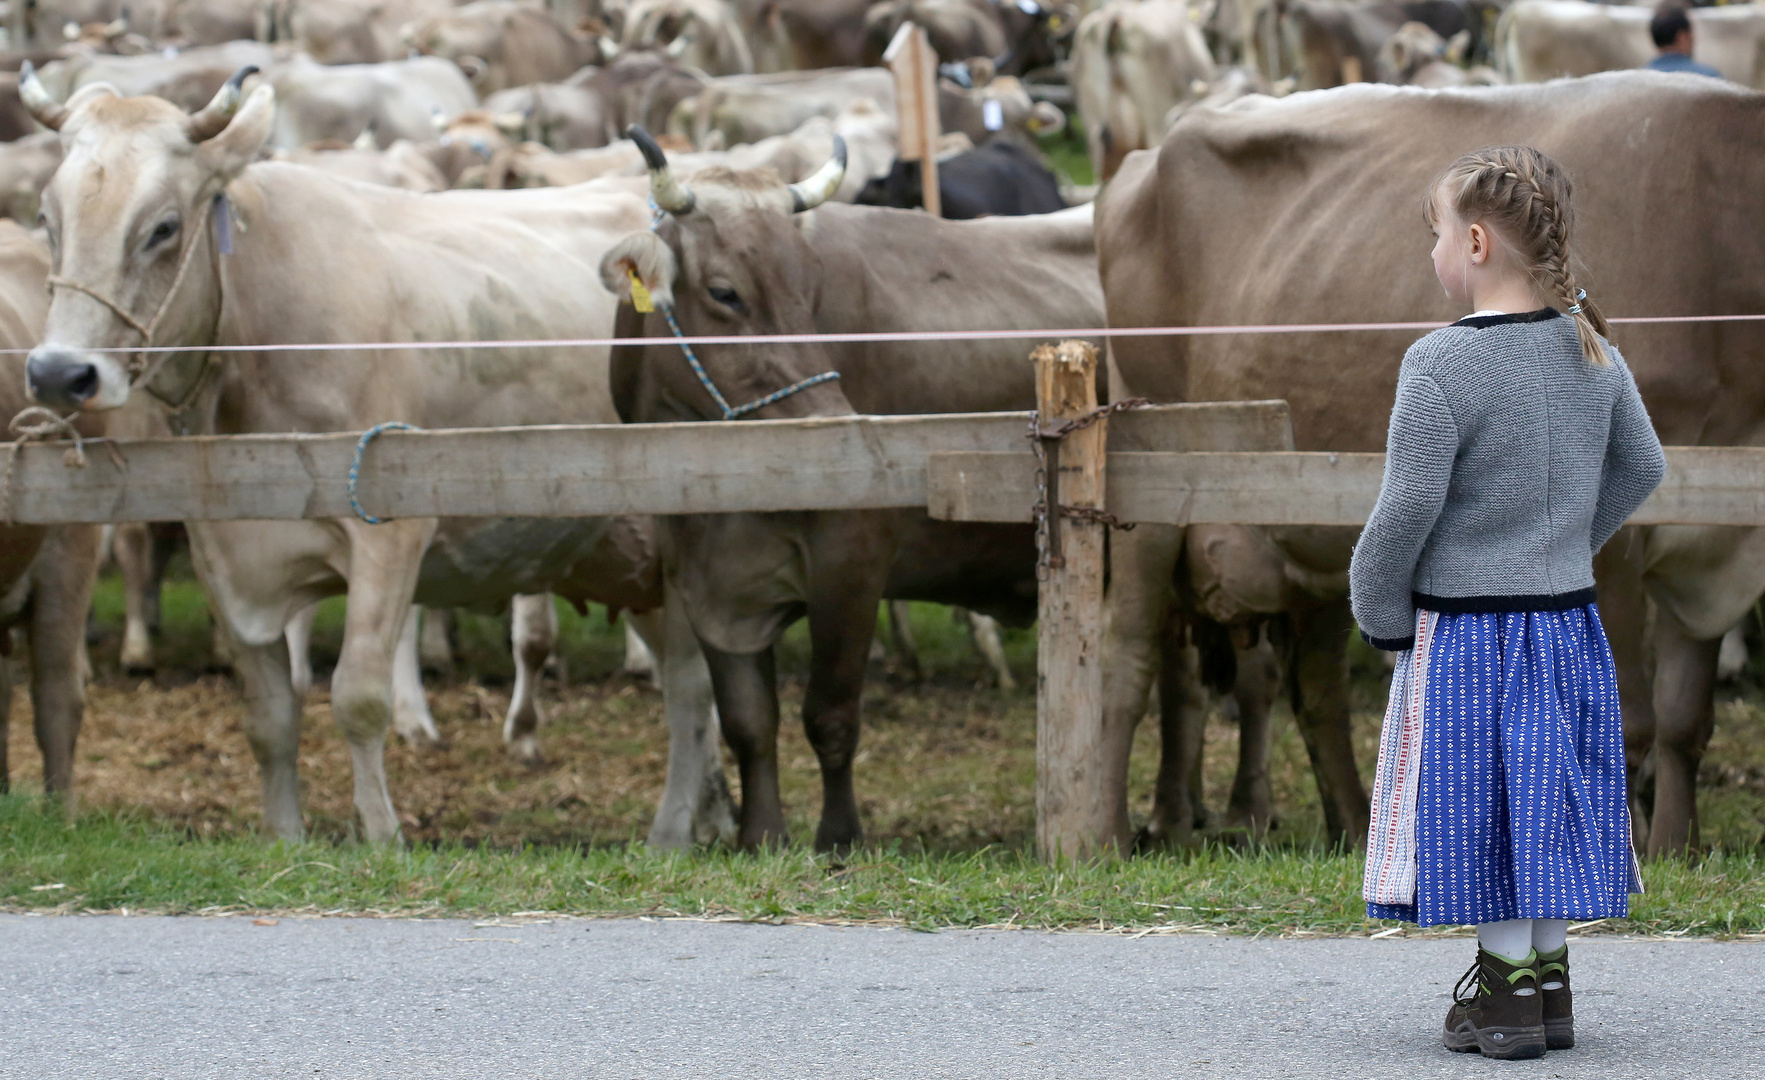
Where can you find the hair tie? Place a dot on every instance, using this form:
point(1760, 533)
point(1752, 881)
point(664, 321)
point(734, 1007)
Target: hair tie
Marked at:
point(1580, 295)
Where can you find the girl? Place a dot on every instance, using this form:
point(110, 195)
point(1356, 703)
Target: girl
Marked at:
point(1518, 446)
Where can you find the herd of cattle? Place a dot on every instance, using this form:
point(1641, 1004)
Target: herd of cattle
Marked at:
point(267, 172)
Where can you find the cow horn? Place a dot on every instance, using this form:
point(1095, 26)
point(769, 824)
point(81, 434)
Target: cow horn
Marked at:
point(218, 113)
point(47, 111)
point(669, 194)
point(817, 189)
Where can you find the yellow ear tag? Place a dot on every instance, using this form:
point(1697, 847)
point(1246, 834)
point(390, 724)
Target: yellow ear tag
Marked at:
point(640, 296)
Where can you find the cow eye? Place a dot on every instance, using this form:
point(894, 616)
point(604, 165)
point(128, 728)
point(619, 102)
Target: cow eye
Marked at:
point(729, 298)
point(162, 232)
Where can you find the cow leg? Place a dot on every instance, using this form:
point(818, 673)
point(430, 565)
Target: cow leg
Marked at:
point(903, 643)
point(640, 658)
point(1319, 683)
point(300, 650)
point(842, 621)
point(5, 719)
point(696, 804)
point(132, 547)
point(435, 650)
point(1252, 804)
point(1623, 607)
point(533, 632)
point(272, 727)
point(411, 717)
point(384, 561)
point(746, 690)
point(1177, 804)
point(62, 577)
point(983, 630)
point(1141, 563)
point(1685, 680)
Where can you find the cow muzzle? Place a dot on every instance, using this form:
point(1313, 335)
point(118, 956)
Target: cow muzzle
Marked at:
point(68, 378)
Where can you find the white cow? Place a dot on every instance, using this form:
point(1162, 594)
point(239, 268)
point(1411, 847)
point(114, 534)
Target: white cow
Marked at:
point(318, 259)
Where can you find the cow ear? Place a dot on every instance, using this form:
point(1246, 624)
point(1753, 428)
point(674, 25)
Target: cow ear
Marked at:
point(239, 143)
point(639, 270)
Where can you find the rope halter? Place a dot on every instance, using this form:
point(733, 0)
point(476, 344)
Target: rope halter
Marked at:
point(141, 370)
point(668, 195)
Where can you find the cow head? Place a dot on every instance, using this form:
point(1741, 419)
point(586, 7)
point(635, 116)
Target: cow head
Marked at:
point(728, 259)
point(130, 206)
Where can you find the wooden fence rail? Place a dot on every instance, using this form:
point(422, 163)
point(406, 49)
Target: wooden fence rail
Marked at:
point(1705, 485)
point(836, 463)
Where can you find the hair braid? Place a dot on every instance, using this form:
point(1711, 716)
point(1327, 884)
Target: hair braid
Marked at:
point(1526, 196)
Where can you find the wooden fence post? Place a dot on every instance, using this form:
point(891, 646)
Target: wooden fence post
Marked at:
point(1072, 818)
point(915, 65)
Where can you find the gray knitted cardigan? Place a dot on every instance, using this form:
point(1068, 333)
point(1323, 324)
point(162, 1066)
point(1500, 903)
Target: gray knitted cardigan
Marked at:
point(1510, 461)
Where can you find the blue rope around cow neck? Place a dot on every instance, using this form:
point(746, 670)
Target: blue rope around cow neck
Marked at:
point(692, 358)
point(355, 466)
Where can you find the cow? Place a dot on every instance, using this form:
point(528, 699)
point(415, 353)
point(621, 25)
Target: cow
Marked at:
point(1132, 64)
point(344, 31)
point(639, 87)
point(803, 35)
point(25, 166)
point(957, 29)
point(735, 254)
point(555, 115)
point(42, 24)
point(188, 79)
point(46, 572)
point(1337, 41)
point(748, 108)
point(1417, 56)
point(502, 43)
point(701, 34)
point(208, 22)
point(395, 100)
point(1547, 39)
point(318, 259)
point(1322, 182)
point(997, 178)
point(401, 165)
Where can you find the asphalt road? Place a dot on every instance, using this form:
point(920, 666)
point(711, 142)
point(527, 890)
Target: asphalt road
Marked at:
point(148, 998)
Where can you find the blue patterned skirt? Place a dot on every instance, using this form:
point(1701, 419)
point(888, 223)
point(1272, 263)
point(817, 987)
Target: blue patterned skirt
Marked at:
point(1500, 789)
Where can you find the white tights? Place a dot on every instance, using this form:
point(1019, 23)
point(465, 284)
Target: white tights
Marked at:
point(1514, 938)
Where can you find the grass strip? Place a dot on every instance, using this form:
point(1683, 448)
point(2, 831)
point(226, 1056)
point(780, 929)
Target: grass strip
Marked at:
point(107, 861)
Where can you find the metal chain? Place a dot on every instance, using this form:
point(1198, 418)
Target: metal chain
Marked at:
point(1048, 556)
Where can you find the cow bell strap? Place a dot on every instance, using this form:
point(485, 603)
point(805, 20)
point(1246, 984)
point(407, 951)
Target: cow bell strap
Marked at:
point(692, 358)
point(140, 369)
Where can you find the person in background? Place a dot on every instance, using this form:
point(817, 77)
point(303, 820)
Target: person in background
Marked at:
point(1671, 29)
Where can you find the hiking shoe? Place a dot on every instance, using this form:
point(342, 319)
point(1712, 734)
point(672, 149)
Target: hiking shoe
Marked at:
point(1497, 1009)
point(1559, 1014)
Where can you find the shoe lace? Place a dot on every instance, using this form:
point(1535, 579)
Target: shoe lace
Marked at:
point(1470, 984)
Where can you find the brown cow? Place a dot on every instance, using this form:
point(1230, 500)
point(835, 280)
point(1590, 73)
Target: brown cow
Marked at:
point(1328, 188)
point(345, 31)
point(503, 43)
point(46, 573)
point(1132, 64)
point(733, 256)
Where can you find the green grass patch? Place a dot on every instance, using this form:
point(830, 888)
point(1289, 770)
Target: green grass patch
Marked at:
point(104, 862)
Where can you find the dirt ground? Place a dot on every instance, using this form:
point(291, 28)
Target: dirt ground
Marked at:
point(945, 764)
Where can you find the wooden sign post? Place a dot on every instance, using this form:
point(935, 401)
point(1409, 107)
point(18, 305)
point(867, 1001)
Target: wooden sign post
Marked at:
point(915, 67)
point(1072, 813)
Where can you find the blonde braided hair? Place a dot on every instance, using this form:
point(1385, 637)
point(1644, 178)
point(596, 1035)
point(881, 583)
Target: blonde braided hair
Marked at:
point(1525, 196)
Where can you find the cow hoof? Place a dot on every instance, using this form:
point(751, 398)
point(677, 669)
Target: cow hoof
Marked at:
point(526, 750)
point(423, 737)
